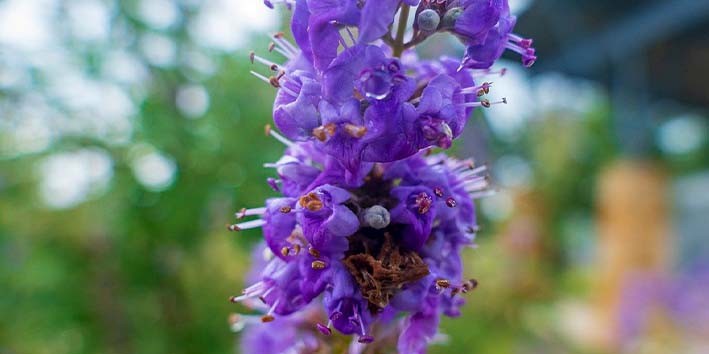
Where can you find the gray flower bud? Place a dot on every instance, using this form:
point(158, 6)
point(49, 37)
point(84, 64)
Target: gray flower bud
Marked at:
point(451, 16)
point(428, 20)
point(376, 217)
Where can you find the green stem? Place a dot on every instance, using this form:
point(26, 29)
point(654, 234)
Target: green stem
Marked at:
point(398, 47)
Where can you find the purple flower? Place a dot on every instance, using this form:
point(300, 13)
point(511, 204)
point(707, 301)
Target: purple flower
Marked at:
point(368, 107)
point(416, 211)
point(419, 329)
point(499, 38)
point(295, 110)
point(484, 26)
point(326, 222)
point(681, 296)
point(295, 333)
point(387, 244)
point(367, 233)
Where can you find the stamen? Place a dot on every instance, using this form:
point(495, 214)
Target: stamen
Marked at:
point(364, 338)
point(469, 285)
point(337, 313)
point(518, 49)
point(277, 136)
point(324, 131)
point(355, 131)
point(313, 252)
point(479, 90)
point(249, 212)
point(296, 249)
point(450, 202)
point(443, 283)
point(251, 292)
point(473, 171)
point(527, 53)
point(318, 265)
point(247, 225)
point(273, 183)
point(523, 42)
point(238, 321)
point(263, 296)
point(286, 45)
point(273, 47)
point(483, 102)
point(324, 329)
point(285, 209)
point(285, 251)
point(268, 317)
point(261, 77)
point(476, 184)
point(255, 58)
point(423, 202)
point(273, 80)
point(458, 166)
point(438, 191)
point(311, 201)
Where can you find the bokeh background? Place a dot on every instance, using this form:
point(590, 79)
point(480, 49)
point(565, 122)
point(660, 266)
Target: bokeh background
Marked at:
point(130, 131)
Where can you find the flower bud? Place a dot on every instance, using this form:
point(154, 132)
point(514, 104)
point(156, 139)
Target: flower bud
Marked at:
point(428, 20)
point(376, 217)
point(451, 16)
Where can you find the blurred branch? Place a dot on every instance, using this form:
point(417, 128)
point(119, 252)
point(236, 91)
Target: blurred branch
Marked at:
point(658, 21)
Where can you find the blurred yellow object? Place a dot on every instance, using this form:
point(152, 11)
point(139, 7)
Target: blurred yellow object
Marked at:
point(522, 242)
point(634, 236)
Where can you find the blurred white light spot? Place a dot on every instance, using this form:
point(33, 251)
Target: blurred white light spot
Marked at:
point(154, 170)
point(24, 24)
point(197, 64)
point(226, 24)
point(555, 92)
point(513, 171)
point(124, 67)
point(159, 50)
point(192, 100)
point(68, 179)
point(497, 207)
point(13, 71)
point(682, 135)
point(507, 120)
point(99, 108)
point(158, 14)
point(32, 134)
point(89, 19)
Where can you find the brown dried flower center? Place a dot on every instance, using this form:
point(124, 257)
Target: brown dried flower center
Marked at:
point(380, 267)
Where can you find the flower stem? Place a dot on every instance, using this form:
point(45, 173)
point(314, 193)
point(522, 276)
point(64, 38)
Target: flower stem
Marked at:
point(398, 47)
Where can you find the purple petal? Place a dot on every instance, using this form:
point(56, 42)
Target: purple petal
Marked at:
point(419, 329)
point(377, 16)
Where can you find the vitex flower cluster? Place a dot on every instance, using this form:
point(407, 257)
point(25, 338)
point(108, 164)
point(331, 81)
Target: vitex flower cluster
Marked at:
point(365, 238)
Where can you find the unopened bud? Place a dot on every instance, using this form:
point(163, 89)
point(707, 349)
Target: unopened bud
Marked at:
point(376, 217)
point(428, 20)
point(451, 16)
